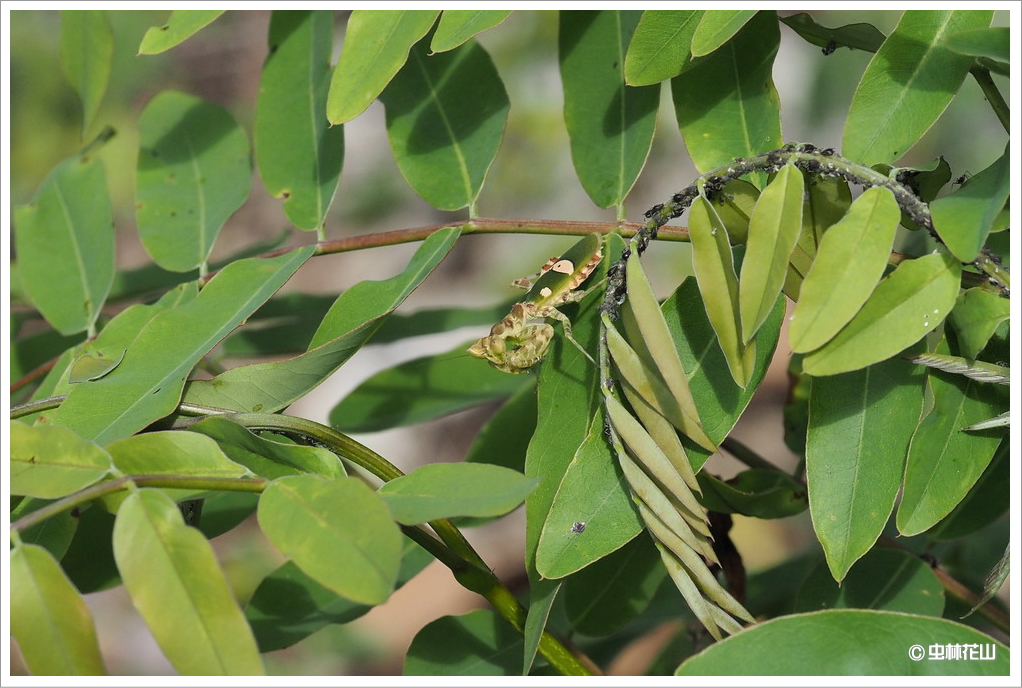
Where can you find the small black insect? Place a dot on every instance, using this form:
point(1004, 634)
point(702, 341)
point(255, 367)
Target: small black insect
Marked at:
point(961, 180)
point(808, 148)
point(654, 210)
point(578, 526)
point(830, 47)
point(827, 151)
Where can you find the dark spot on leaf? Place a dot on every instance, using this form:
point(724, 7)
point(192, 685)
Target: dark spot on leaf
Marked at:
point(615, 64)
point(31, 459)
point(286, 195)
point(75, 512)
point(578, 526)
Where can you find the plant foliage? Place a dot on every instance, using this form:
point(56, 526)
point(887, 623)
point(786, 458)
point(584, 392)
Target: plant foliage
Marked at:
point(136, 434)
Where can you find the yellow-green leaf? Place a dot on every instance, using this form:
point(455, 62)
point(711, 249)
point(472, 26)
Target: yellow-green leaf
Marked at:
point(773, 230)
point(906, 305)
point(376, 45)
point(714, 269)
point(339, 532)
point(51, 461)
point(177, 586)
point(49, 617)
point(850, 260)
point(86, 53)
point(457, 26)
point(181, 25)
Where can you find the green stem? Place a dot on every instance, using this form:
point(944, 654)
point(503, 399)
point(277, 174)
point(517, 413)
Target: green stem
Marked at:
point(993, 95)
point(746, 455)
point(469, 569)
point(186, 482)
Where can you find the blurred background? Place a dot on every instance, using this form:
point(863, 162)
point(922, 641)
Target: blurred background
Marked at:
point(532, 177)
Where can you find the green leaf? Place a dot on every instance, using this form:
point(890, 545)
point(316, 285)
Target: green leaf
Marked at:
point(445, 119)
point(173, 452)
point(992, 42)
point(720, 401)
point(650, 336)
point(734, 204)
point(757, 493)
point(479, 643)
point(51, 462)
point(773, 230)
point(351, 321)
point(148, 383)
point(365, 302)
point(65, 245)
point(612, 591)
point(846, 642)
point(856, 36)
point(716, 27)
point(265, 457)
point(49, 618)
point(567, 404)
point(908, 84)
point(445, 490)
point(89, 560)
point(86, 53)
point(986, 501)
point(850, 260)
point(714, 269)
point(339, 532)
point(591, 514)
point(660, 46)
point(89, 367)
point(170, 452)
point(194, 170)
point(860, 425)
point(177, 586)
point(116, 336)
point(610, 125)
point(376, 45)
point(827, 201)
point(995, 579)
point(55, 533)
point(726, 104)
point(903, 308)
point(944, 462)
point(504, 440)
point(884, 579)
point(457, 26)
point(299, 154)
point(422, 389)
point(975, 317)
point(288, 606)
point(179, 27)
point(965, 218)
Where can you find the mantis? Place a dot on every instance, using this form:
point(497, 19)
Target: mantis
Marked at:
point(514, 345)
